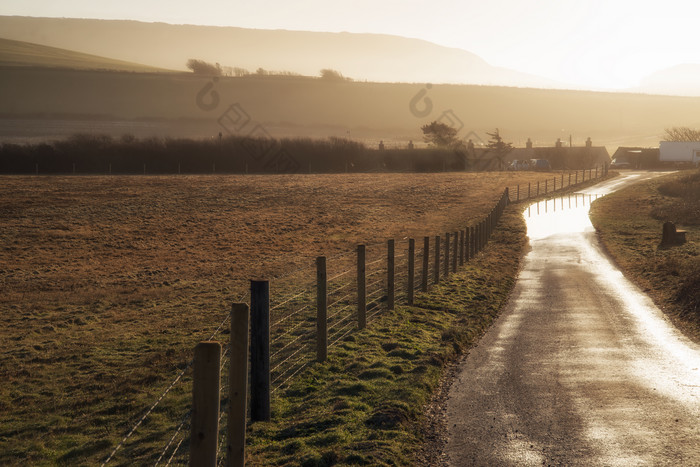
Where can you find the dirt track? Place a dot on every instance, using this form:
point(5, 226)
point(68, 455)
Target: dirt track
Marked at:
point(581, 368)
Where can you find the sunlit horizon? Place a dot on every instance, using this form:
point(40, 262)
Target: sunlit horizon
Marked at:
point(594, 45)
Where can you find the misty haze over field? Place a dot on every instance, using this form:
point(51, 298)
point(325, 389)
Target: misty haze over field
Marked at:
point(64, 75)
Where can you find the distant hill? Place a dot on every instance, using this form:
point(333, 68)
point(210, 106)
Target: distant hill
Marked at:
point(372, 57)
point(19, 53)
point(680, 80)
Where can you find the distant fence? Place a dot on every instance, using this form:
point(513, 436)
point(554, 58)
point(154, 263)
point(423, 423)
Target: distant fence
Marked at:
point(306, 315)
point(556, 182)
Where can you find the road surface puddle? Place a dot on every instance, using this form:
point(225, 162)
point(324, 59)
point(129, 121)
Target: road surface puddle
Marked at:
point(564, 215)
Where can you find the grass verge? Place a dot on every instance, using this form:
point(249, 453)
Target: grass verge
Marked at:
point(629, 225)
point(363, 406)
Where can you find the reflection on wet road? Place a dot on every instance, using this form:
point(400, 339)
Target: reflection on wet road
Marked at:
point(581, 368)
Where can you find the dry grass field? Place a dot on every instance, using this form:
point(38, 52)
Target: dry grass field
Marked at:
point(629, 223)
point(109, 282)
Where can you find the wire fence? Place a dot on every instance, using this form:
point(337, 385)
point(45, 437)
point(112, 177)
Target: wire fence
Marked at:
point(293, 317)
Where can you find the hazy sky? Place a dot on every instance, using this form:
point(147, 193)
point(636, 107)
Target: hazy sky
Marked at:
point(593, 43)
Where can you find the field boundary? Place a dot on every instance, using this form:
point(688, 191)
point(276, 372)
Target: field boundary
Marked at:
point(309, 313)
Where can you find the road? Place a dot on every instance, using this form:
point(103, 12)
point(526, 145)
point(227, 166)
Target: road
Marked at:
point(581, 368)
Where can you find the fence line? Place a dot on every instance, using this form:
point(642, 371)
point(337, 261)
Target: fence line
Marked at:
point(291, 348)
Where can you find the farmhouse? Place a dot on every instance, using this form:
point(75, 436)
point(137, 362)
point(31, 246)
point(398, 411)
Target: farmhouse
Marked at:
point(680, 152)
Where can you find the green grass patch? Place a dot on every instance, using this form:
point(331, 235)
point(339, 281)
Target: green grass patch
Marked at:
point(629, 224)
point(364, 405)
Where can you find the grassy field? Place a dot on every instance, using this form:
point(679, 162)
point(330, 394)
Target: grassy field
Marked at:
point(109, 282)
point(629, 224)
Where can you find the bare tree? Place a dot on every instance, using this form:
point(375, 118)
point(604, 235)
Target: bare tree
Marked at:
point(681, 133)
point(238, 71)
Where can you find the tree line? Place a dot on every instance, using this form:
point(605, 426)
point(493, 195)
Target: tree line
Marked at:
point(101, 154)
point(202, 67)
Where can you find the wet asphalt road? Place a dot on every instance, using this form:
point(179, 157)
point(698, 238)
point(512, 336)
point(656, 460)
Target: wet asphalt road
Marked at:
point(581, 368)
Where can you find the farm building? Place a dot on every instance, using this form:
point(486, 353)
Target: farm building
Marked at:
point(680, 152)
point(636, 157)
point(562, 157)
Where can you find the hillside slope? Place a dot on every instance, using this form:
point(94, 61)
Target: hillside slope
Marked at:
point(373, 57)
point(19, 53)
point(315, 107)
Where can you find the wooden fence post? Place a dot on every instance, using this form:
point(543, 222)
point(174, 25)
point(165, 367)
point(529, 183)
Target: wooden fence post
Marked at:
point(569, 179)
point(361, 288)
point(576, 179)
point(545, 185)
point(390, 270)
point(204, 434)
point(518, 197)
point(447, 254)
point(411, 270)
point(461, 247)
point(426, 264)
point(455, 249)
point(477, 240)
point(238, 385)
point(562, 181)
point(528, 190)
point(538, 188)
point(467, 244)
point(260, 350)
point(321, 309)
point(481, 235)
point(436, 273)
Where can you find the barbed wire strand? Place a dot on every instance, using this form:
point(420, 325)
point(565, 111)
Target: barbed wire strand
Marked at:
point(349, 317)
point(340, 275)
point(177, 448)
point(336, 328)
point(148, 412)
point(290, 331)
point(350, 295)
point(345, 334)
point(379, 309)
point(303, 347)
point(305, 291)
point(374, 262)
point(345, 286)
point(279, 351)
point(330, 318)
point(369, 286)
point(375, 293)
point(286, 317)
point(290, 377)
point(185, 418)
